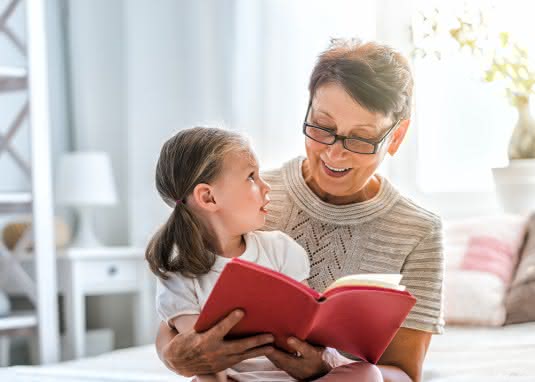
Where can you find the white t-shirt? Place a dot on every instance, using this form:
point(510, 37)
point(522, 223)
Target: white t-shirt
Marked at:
point(179, 295)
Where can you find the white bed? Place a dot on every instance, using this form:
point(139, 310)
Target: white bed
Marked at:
point(483, 354)
point(460, 355)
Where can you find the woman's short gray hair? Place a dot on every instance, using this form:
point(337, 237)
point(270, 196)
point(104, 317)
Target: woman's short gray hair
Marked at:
point(374, 75)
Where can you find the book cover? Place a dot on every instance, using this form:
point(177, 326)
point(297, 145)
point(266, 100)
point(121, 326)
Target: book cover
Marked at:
point(357, 314)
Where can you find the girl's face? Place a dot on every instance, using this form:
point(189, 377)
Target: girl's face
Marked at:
point(241, 193)
point(332, 172)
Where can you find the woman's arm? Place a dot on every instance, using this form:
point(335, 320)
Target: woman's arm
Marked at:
point(310, 364)
point(191, 353)
point(403, 359)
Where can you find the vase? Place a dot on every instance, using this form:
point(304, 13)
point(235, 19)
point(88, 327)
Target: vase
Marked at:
point(515, 186)
point(522, 143)
point(515, 183)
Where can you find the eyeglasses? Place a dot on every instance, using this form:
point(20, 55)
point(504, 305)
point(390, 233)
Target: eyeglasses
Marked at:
point(353, 144)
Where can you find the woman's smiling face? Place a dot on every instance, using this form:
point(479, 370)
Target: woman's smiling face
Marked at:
point(332, 172)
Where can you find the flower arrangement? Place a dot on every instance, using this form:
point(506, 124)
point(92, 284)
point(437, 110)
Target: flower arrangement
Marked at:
point(503, 60)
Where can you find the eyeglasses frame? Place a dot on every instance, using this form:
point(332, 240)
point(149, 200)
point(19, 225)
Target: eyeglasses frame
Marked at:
point(375, 142)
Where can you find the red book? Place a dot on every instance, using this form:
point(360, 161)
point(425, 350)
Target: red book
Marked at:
point(357, 319)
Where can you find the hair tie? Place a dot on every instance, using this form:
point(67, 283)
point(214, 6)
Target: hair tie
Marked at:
point(179, 201)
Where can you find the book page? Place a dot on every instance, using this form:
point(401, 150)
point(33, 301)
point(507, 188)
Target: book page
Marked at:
point(381, 280)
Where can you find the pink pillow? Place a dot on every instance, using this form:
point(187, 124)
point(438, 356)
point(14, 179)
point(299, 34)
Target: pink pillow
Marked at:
point(480, 255)
point(489, 254)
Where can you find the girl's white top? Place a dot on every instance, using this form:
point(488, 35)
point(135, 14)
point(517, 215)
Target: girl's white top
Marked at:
point(179, 295)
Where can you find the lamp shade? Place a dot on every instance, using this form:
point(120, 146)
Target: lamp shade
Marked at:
point(85, 179)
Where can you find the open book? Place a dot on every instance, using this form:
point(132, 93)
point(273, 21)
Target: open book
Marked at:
point(357, 314)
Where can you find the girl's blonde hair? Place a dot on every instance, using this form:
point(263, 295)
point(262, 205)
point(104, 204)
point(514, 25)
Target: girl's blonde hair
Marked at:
point(190, 157)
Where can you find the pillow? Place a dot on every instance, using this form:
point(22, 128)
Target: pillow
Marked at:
point(474, 298)
point(480, 257)
point(520, 300)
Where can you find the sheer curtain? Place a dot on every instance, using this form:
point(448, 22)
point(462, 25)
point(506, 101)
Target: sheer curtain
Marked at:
point(277, 43)
point(241, 64)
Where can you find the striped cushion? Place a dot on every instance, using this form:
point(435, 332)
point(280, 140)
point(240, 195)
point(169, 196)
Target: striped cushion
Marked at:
point(491, 255)
point(481, 255)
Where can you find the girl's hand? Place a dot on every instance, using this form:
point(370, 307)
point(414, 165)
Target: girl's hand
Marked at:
point(309, 364)
point(191, 353)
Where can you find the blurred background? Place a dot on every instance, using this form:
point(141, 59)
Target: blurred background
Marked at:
point(123, 76)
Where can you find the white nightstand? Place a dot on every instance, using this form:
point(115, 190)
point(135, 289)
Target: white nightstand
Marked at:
point(99, 271)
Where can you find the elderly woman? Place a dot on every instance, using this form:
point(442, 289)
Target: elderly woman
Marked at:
point(348, 218)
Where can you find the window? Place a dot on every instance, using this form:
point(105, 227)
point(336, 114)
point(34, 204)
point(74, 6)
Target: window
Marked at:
point(464, 124)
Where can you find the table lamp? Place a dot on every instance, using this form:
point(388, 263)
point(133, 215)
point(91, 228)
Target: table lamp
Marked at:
point(85, 180)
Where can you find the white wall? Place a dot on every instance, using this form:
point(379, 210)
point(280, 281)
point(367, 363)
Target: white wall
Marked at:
point(96, 54)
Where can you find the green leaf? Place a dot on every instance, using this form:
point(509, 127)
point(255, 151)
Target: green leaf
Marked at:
point(504, 38)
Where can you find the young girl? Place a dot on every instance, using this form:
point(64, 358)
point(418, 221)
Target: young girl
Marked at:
point(210, 178)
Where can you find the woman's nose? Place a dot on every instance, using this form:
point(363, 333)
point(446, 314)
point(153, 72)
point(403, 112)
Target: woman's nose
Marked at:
point(336, 150)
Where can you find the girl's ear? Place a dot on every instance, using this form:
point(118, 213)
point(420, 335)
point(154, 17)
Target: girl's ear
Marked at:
point(203, 195)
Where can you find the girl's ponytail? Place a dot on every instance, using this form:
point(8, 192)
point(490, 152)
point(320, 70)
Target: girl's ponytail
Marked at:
point(181, 234)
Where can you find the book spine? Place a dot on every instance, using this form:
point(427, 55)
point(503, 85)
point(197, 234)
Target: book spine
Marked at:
point(310, 324)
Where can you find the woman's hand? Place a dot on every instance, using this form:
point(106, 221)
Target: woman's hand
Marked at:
point(309, 364)
point(191, 353)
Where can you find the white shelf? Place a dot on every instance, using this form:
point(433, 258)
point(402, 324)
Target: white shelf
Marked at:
point(15, 197)
point(12, 78)
point(18, 320)
point(96, 253)
point(12, 72)
point(15, 202)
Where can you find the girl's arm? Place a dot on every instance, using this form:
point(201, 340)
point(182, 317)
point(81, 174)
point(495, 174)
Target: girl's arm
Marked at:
point(185, 323)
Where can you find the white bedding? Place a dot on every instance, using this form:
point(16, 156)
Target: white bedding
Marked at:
point(461, 355)
point(137, 364)
point(483, 354)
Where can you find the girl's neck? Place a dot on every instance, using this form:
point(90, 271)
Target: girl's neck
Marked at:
point(229, 246)
point(220, 241)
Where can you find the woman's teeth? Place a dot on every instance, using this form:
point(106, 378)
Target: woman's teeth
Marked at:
point(336, 169)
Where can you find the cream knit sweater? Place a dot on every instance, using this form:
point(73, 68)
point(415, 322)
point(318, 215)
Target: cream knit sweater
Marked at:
point(386, 234)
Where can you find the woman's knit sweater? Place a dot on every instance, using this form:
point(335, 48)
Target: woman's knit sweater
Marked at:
point(386, 234)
